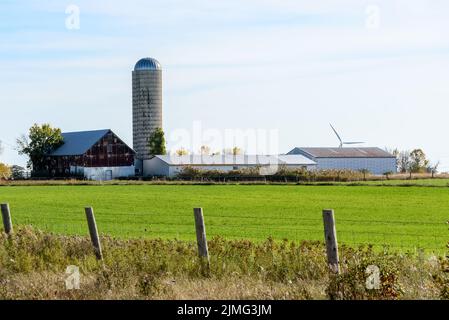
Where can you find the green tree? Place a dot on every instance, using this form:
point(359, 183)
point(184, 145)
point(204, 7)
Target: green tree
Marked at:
point(402, 160)
point(17, 172)
point(433, 168)
point(182, 152)
point(41, 140)
point(234, 151)
point(157, 142)
point(418, 161)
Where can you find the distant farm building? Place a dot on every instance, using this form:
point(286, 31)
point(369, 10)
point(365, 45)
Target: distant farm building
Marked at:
point(96, 155)
point(171, 165)
point(375, 160)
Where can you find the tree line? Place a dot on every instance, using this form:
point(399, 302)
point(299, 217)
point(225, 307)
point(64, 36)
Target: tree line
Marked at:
point(414, 161)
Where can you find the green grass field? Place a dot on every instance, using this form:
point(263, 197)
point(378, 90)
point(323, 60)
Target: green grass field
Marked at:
point(402, 217)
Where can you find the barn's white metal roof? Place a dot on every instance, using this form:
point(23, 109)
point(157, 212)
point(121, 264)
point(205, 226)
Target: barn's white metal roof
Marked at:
point(218, 160)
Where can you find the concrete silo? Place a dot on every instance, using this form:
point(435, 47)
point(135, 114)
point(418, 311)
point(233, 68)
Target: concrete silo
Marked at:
point(147, 105)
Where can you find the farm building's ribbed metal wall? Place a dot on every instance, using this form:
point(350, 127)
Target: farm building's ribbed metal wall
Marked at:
point(375, 160)
point(377, 166)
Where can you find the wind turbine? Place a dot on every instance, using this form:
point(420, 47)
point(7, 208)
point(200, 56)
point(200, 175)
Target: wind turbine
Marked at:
point(342, 143)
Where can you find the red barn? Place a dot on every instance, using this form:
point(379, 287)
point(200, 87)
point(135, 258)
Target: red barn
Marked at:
point(96, 155)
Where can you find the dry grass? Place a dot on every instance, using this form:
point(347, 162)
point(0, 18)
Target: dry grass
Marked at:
point(50, 286)
point(241, 288)
point(32, 266)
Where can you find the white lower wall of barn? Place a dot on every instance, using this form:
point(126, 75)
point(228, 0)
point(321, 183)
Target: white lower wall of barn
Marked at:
point(108, 173)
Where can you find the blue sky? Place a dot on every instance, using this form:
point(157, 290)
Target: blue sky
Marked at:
point(290, 65)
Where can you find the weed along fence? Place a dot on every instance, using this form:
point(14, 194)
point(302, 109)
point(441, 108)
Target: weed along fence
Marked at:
point(330, 235)
point(350, 234)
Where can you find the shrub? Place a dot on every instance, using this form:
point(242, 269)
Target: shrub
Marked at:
point(5, 171)
point(283, 174)
point(442, 278)
point(352, 282)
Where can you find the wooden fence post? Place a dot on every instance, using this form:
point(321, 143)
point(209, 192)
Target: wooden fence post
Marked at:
point(203, 251)
point(6, 215)
point(94, 232)
point(330, 235)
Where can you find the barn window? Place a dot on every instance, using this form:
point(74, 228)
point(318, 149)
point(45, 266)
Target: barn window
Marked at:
point(109, 148)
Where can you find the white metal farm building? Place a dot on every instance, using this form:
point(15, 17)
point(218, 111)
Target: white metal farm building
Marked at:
point(375, 160)
point(171, 165)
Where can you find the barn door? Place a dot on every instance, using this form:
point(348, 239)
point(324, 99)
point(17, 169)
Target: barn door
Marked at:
point(108, 175)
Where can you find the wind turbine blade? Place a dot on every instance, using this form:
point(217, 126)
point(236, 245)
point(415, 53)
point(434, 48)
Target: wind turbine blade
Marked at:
point(336, 133)
point(353, 142)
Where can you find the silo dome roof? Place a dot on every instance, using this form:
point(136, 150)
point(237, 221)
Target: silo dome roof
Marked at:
point(147, 64)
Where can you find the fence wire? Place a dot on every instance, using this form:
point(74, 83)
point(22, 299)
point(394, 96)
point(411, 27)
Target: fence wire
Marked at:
point(350, 232)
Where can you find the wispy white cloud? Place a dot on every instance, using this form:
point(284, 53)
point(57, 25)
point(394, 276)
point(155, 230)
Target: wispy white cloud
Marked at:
point(292, 65)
